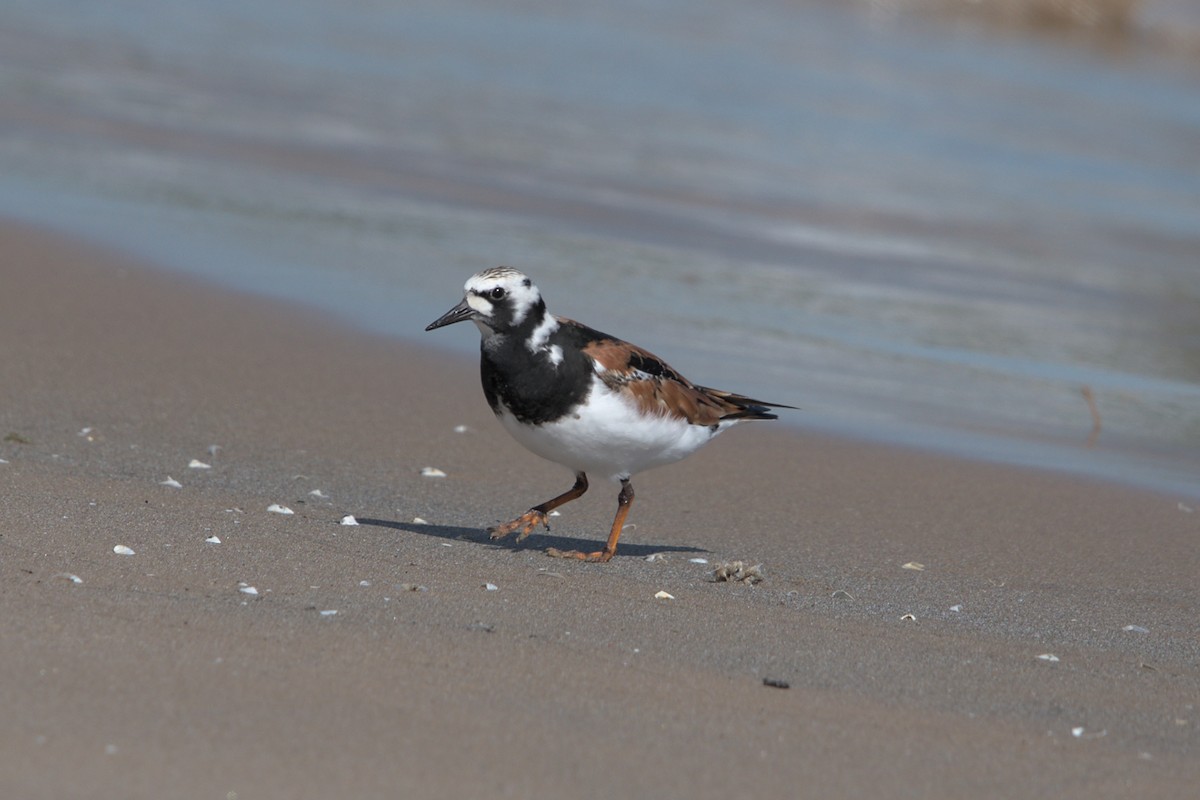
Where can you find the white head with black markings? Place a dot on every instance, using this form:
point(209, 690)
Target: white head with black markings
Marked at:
point(499, 300)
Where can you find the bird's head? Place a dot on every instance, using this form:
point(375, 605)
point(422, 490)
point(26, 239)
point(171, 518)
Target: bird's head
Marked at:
point(497, 300)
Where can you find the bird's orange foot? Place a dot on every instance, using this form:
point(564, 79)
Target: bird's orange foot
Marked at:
point(522, 525)
point(599, 555)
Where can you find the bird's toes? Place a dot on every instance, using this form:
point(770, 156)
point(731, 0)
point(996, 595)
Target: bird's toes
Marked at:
point(530, 521)
point(522, 525)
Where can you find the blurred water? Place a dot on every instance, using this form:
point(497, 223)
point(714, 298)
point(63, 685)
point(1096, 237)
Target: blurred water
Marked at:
point(919, 232)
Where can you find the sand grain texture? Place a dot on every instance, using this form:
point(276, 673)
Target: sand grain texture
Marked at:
point(155, 677)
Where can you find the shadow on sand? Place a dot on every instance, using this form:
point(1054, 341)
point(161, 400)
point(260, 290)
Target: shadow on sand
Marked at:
point(539, 541)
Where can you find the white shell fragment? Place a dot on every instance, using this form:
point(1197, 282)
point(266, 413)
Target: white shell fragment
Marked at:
point(420, 521)
point(461, 429)
point(656, 558)
point(348, 520)
point(246, 588)
point(491, 587)
point(318, 493)
point(2, 461)
point(196, 463)
point(432, 472)
point(908, 618)
point(1079, 732)
point(661, 595)
point(174, 484)
point(214, 539)
point(913, 565)
point(71, 576)
point(697, 560)
point(1135, 629)
point(122, 550)
point(842, 594)
point(364, 583)
point(1048, 657)
point(331, 612)
point(559, 514)
point(956, 608)
point(275, 508)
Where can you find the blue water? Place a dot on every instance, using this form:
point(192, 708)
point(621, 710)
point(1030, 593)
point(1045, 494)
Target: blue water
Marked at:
point(920, 230)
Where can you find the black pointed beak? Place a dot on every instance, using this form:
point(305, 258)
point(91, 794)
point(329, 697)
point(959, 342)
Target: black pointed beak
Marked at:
point(460, 312)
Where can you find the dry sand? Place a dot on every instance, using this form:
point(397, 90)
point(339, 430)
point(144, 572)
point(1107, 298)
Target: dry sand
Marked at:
point(153, 676)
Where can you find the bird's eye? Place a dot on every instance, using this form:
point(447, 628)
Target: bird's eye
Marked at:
point(498, 293)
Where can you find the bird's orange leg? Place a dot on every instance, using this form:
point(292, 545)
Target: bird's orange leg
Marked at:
point(624, 503)
point(527, 522)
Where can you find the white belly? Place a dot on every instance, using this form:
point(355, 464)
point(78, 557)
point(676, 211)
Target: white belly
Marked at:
point(608, 436)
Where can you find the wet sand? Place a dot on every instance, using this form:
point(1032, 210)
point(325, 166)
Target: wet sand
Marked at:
point(155, 676)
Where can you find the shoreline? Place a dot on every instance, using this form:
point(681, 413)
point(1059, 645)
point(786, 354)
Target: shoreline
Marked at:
point(157, 673)
point(1110, 455)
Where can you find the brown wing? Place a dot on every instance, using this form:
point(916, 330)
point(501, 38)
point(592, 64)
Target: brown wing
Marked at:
point(659, 389)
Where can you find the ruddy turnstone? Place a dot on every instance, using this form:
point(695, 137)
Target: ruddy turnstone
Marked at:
point(584, 399)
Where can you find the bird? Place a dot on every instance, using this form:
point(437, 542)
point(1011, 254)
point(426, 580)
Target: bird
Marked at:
point(584, 399)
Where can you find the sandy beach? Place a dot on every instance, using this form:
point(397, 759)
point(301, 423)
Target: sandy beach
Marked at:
point(943, 628)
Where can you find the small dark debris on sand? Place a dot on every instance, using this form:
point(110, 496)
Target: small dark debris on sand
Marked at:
point(738, 571)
